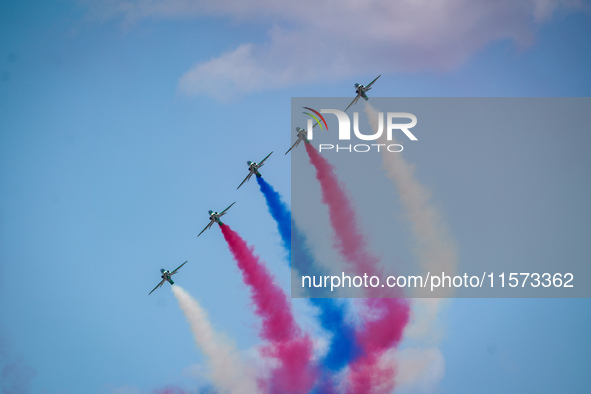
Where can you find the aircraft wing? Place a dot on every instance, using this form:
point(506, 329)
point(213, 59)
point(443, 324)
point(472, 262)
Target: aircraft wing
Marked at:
point(261, 162)
point(159, 284)
point(224, 211)
point(174, 272)
point(353, 102)
point(245, 179)
point(373, 81)
point(294, 145)
point(206, 227)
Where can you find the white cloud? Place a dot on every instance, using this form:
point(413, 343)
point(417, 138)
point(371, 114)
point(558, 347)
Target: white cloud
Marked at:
point(339, 38)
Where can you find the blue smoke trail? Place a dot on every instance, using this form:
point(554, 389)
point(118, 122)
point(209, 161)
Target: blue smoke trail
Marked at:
point(344, 348)
point(280, 213)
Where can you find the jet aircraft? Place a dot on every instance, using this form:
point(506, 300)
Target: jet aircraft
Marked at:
point(302, 135)
point(166, 276)
point(253, 168)
point(215, 217)
point(360, 90)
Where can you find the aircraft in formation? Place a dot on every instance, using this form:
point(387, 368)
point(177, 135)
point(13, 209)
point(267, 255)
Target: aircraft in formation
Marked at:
point(253, 168)
point(361, 90)
point(214, 217)
point(302, 136)
point(166, 276)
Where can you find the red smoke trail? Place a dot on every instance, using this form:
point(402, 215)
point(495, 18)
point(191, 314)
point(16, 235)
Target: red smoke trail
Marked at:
point(382, 330)
point(385, 318)
point(287, 343)
point(342, 217)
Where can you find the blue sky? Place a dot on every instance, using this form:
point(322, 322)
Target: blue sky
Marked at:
point(113, 148)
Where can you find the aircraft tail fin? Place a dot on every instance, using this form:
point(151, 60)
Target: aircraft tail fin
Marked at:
point(171, 282)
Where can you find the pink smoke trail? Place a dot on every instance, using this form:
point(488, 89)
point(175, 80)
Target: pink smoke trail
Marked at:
point(287, 343)
point(385, 318)
point(342, 216)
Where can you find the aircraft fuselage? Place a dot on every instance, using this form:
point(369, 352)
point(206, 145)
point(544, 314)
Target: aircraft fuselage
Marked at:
point(254, 168)
point(166, 275)
point(360, 90)
point(215, 217)
point(303, 135)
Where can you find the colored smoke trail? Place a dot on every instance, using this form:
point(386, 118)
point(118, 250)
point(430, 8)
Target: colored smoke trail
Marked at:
point(228, 372)
point(286, 342)
point(384, 318)
point(384, 323)
point(279, 211)
point(344, 346)
point(433, 246)
point(342, 216)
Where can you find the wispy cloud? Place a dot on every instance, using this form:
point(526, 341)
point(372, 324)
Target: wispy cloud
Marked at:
point(334, 39)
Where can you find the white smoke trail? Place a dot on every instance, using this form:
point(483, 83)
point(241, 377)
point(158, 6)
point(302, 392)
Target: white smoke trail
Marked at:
point(433, 247)
point(227, 371)
point(435, 252)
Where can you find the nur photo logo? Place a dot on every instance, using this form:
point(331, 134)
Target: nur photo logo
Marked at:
point(389, 123)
